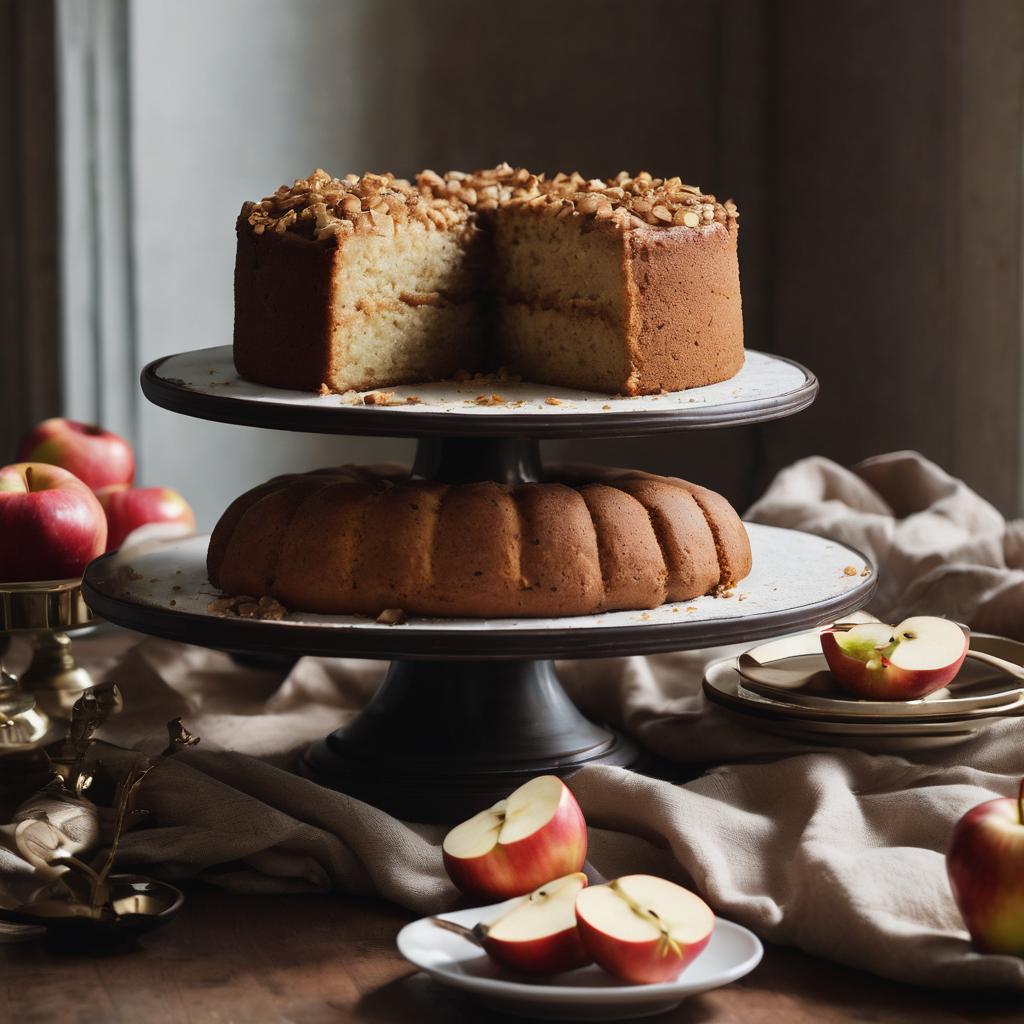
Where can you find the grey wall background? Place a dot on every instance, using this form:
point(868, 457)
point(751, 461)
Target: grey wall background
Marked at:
point(874, 149)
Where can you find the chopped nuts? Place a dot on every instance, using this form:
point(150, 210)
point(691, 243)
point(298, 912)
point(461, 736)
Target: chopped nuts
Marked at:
point(327, 209)
point(378, 398)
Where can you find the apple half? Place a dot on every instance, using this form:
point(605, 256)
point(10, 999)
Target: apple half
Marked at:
point(643, 929)
point(535, 834)
point(537, 934)
point(905, 662)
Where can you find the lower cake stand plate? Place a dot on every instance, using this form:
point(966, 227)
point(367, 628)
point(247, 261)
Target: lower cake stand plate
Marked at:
point(472, 707)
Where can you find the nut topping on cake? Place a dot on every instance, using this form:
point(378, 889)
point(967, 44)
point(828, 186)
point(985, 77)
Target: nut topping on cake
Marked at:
point(322, 207)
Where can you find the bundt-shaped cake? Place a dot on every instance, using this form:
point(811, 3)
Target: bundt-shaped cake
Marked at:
point(358, 540)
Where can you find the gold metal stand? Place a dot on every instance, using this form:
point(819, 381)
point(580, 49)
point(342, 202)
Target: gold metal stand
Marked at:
point(46, 611)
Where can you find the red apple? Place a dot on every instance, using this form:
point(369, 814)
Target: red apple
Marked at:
point(536, 834)
point(51, 525)
point(128, 508)
point(643, 929)
point(905, 662)
point(538, 934)
point(985, 862)
point(97, 457)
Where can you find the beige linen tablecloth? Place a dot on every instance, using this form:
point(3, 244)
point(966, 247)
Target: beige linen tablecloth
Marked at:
point(835, 851)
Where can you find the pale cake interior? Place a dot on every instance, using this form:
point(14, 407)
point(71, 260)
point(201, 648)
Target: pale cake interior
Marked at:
point(561, 300)
point(407, 307)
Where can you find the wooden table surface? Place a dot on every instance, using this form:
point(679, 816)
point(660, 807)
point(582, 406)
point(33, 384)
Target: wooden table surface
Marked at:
point(312, 959)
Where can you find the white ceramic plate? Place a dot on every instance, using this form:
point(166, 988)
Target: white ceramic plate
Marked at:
point(976, 688)
point(585, 994)
point(723, 686)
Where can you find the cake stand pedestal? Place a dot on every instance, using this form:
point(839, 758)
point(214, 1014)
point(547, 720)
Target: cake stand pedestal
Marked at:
point(469, 707)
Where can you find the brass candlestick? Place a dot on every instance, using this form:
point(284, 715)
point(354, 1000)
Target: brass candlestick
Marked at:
point(47, 611)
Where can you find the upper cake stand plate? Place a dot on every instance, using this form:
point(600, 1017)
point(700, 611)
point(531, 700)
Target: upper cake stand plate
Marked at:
point(204, 384)
point(798, 581)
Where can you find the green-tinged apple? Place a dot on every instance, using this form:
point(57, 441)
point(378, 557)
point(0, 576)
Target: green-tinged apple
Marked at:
point(985, 862)
point(536, 834)
point(128, 508)
point(96, 456)
point(905, 662)
point(643, 929)
point(537, 934)
point(51, 525)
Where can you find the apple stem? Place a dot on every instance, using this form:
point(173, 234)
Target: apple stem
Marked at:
point(1020, 803)
point(28, 477)
point(474, 935)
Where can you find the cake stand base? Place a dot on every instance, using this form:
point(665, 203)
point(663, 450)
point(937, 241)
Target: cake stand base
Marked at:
point(442, 740)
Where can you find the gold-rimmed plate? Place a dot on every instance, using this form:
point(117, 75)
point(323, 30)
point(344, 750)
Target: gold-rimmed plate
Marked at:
point(978, 688)
point(724, 685)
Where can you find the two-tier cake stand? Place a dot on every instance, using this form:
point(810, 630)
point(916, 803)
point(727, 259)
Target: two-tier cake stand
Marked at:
point(470, 707)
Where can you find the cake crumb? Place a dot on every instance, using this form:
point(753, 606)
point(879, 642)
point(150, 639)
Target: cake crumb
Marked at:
point(176, 587)
point(270, 608)
point(391, 617)
point(741, 597)
point(692, 608)
point(675, 610)
point(412, 400)
point(324, 390)
point(378, 398)
point(246, 607)
point(606, 407)
point(551, 400)
point(488, 400)
point(646, 617)
point(849, 570)
point(865, 571)
point(172, 603)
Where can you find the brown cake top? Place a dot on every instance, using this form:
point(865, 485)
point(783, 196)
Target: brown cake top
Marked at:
point(625, 202)
point(321, 206)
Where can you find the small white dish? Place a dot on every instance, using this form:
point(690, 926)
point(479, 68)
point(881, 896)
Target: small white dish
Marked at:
point(977, 689)
point(585, 994)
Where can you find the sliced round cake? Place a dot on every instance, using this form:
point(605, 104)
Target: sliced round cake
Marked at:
point(623, 285)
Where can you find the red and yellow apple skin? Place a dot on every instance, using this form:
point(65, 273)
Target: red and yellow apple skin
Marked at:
point(553, 954)
point(128, 508)
point(649, 960)
point(547, 954)
point(51, 525)
point(985, 862)
point(879, 679)
point(96, 456)
point(640, 963)
point(556, 848)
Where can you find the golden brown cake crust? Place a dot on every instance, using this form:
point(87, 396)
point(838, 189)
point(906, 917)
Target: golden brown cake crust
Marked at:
point(676, 345)
point(284, 287)
point(679, 272)
point(359, 540)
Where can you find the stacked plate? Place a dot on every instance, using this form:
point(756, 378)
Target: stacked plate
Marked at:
point(816, 710)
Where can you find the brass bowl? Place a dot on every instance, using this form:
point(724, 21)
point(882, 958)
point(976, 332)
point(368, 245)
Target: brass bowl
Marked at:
point(43, 607)
point(138, 905)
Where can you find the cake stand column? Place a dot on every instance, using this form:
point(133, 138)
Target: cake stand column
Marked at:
point(463, 460)
point(441, 740)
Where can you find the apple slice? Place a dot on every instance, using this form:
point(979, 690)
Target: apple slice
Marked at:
point(904, 662)
point(537, 934)
point(643, 929)
point(536, 834)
